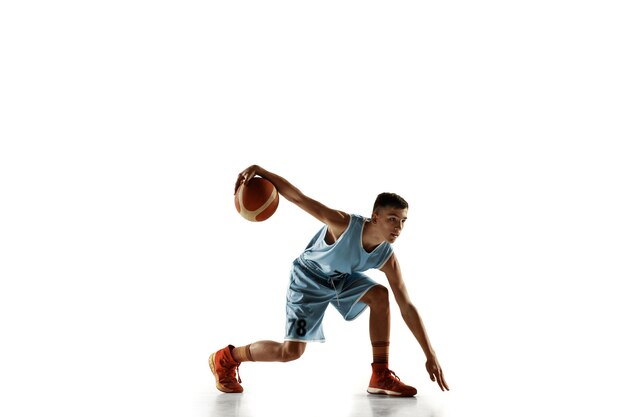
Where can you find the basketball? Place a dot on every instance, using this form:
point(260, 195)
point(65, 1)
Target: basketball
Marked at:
point(257, 201)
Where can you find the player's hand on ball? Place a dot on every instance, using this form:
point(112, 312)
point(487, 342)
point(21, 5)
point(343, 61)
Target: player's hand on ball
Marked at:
point(245, 176)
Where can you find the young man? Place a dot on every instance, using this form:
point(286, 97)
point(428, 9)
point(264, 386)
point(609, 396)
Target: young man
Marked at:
point(330, 270)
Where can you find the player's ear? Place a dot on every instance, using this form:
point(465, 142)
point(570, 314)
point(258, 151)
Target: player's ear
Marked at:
point(374, 217)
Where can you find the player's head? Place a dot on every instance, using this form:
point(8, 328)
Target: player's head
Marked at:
point(389, 214)
point(389, 200)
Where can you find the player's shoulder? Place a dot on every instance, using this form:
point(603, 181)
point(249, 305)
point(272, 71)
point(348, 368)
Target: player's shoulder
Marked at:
point(356, 217)
point(352, 220)
point(342, 218)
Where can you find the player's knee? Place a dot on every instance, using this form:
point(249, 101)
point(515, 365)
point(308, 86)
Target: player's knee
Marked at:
point(377, 297)
point(292, 351)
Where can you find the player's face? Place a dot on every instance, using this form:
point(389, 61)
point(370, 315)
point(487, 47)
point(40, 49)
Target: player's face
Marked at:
point(391, 222)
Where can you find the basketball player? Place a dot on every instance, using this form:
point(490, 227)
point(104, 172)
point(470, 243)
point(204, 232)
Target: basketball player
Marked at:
point(331, 271)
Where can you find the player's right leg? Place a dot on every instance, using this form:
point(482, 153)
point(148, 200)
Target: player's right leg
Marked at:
point(269, 351)
point(225, 362)
point(307, 299)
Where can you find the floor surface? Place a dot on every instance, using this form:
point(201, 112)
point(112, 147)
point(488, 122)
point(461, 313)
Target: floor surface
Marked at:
point(260, 405)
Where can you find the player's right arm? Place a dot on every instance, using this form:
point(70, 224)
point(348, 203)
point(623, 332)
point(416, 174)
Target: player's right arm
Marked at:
point(337, 220)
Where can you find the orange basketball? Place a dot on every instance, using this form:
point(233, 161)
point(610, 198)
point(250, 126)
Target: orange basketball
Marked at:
point(256, 201)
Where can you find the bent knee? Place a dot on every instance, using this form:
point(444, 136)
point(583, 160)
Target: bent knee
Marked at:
point(377, 296)
point(292, 351)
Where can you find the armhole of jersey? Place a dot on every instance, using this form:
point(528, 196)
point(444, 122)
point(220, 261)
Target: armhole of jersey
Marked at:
point(342, 234)
point(386, 258)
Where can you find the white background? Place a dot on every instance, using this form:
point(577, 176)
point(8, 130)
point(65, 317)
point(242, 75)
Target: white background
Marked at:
point(124, 263)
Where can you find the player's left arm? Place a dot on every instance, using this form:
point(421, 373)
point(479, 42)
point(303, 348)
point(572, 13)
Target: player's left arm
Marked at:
point(411, 317)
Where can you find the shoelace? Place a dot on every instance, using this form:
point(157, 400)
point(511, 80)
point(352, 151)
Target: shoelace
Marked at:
point(394, 374)
point(238, 375)
point(390, 378)
point(233, 371)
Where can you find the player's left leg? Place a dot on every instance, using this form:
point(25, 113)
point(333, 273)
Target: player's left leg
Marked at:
point(383, 380)
point(377, 298)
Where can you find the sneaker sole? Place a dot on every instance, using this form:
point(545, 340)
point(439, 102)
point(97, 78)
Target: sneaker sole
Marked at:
point(380, 391)
point(217, 379)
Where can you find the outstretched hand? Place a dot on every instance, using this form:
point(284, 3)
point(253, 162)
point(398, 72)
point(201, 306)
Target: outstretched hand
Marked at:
point(245, 176)
point(436, 373)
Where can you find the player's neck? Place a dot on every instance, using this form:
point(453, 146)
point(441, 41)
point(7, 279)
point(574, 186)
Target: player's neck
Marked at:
point(371, 237)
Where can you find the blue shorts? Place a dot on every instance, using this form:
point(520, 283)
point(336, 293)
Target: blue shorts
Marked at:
point(310, 293)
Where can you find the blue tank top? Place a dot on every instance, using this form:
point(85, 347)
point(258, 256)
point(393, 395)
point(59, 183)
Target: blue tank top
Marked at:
point(346, 255)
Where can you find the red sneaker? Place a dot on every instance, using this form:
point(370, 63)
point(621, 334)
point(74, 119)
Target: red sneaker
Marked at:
point(384, 381)
point(226, 370)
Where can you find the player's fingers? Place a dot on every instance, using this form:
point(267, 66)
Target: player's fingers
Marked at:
point(240, 179)
point(442, 382)
point(247, 175)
